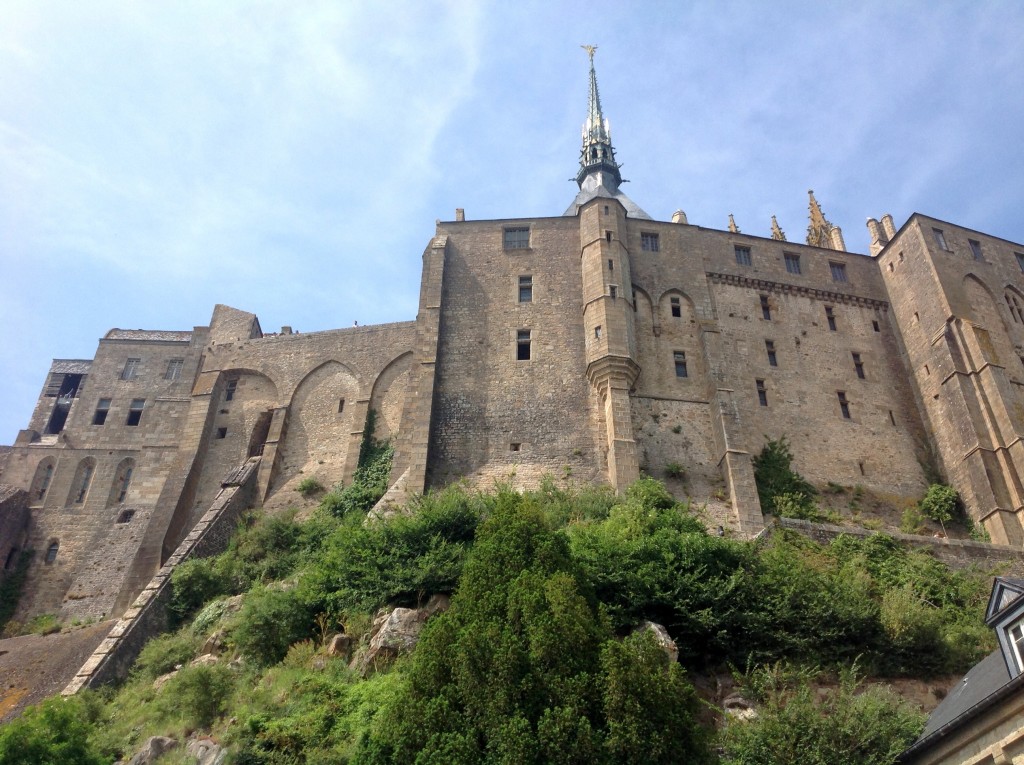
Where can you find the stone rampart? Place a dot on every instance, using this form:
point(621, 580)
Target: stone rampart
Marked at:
point(14, 516)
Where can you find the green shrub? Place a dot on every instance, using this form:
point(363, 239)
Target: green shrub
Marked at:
point(55, 732)
point(163, 653)
point(941, 503)
point(199, 695)
point(370, 481)
point(912, 520)
point(269, 622)
point(309, 486)
point(798, 505)
point(43, 624)
point(193, 583)
point(674, 470)
point(774, 475)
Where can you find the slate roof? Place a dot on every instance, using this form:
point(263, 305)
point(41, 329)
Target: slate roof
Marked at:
point(70, 366)
point(164, 335)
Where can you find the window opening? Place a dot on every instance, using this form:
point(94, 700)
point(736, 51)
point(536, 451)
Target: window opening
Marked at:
point(174, 367)
point(341, 405)
point(514, 446)
point(135, 411)
point(940, 238)
point(892, 418)
point(677, 309)
point(858, 365)
point(742, 255)
point(41, 482)
point(85, 478)
point(51, 552)
point(517, 238)
point(613, 291)
point(125, 516)
point(607, 236)
point(769, 346)
point(838, 271)
point(792, 263)
point(861, 466)
point(831, 317)
point(634, 301)
point(762, 393)
point(1016, 635)
point(844, 405)
point(606, 209)
point(229, 389)
point(1020, 260)
point(131, 369)
point(523, 345)
point(102, 408)
point(975, 248)
point(123, 481)
point(597, 332)
point(766, 311)
point(874, 326)
point(526, 289)
point(222, 432)
point(649, 242)
point(679, 357)
point(611, 264)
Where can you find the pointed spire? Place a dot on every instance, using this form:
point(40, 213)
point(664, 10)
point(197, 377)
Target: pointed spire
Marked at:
point(821, 233)
point(777, 233)
point(732, 225)
point(598, 155)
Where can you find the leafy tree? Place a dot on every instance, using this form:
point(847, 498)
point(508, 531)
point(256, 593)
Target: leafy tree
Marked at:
point(774, 476)
point(55, 732)
point(941, 503)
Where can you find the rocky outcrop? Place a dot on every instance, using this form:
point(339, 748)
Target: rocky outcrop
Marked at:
point(395, 632)
point(206, 751)
point(662, 638)
point(152, 750)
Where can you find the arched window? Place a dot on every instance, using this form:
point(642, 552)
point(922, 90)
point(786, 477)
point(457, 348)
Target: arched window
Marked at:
point(41, 481)
point(122, 481)
point(51, 551)
point(1014, 305)
point(83, 480)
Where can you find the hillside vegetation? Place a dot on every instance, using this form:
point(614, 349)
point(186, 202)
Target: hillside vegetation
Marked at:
point(537, 659)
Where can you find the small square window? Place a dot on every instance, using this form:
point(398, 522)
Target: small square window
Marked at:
point(769, 346)
point(838, 271)
point(102, 408)
point(125, 516)
point(135, 411)
point(830, 316)
point(517, 238)
point(229, 389)
point(679, 357)
point(975, 249)
point(523, 345)
point(940, 238)
point(131, 369)
point(515, 446)
point(677, 309)
point(526, 289)
point(766, 311)
point(174, 367)
point(844, 405)
point(649, 242)
point(858, 366)
point(742, 255)
point(222, 432)
point(792, 263)
point(762, 393)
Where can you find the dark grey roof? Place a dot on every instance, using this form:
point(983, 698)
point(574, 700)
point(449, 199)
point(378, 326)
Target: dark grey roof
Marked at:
point(981, 681)
point(149, 334)
point(70, 366)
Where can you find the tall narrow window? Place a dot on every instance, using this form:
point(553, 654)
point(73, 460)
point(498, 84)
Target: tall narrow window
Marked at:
point(100, 415)
point(940, 238)
point(517, 238)
point(762, 393)
point(135, 411)
point(229, 389)
point(742, 255)
point(679, 357)
point(41, 481)
point(122, 481)
point(649, 242)
point(766, 311)
point(611, 264)
point(44, 483)
point(51, 551)
point(792, 262)
point(526, 289)
point(83, 479)
point(875, 326)
point(341, 405)
point(1020, 260)
point(174, 367)
point(131, 369)
point(838, 271)
point(523, 345)
point(858, 365)
point(830, 316)
point(677, 309)
point(769, 346)
point(597, 332)
point(613, 291)
point(975, 249)
point(844, 405)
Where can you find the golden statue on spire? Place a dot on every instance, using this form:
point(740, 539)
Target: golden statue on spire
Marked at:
point(590, 51)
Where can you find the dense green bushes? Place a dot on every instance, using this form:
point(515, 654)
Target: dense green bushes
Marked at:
point(55, 732)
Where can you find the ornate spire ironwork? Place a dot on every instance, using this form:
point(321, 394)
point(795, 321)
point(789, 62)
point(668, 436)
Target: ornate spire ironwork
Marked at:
point(598, 154)
point(820, 232)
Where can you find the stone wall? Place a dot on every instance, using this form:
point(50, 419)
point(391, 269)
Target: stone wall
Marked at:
point(148, 616)
point(14, 519)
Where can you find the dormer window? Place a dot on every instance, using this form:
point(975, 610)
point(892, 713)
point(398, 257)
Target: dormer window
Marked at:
point(1016, 640)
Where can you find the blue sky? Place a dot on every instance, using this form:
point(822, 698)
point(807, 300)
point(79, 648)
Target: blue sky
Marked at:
point(290, 159)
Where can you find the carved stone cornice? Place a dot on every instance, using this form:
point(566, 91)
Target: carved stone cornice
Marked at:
point(827, 296)
point(602, 370)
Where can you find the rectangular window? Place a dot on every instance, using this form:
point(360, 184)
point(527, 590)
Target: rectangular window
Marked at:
point(131, 369)
point(677, 309)
point(858, 365)
point(229, 389)
point(766, 311)
point(597, 332)
point(838, 271)
point(975, 249)
point(613, 291)
point(940, 238)
point(831, 317)
point(874, 326)
point(742, 255)
point(222, 432)
point(1016, 635)
point(523, 345)
point(762, 393)
point(679, 357)
point(135, 411)
point(341, 405)
point(526, 289)
point(1020, 260)
point(100, 415)
point(611, 264)
point(844, 405)
point(792, 263)
point(769, 347)
point(174, 367)
point(649, 242)
point(517, 238)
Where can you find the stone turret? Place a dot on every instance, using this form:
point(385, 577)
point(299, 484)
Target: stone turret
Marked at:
point(820, 232)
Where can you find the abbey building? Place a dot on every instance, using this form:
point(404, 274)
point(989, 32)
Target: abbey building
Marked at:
point(590, 346)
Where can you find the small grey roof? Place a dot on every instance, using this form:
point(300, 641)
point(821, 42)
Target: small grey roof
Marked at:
point(164, 335)
point(594, 187)
point(70, 366)
point(981, 681)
